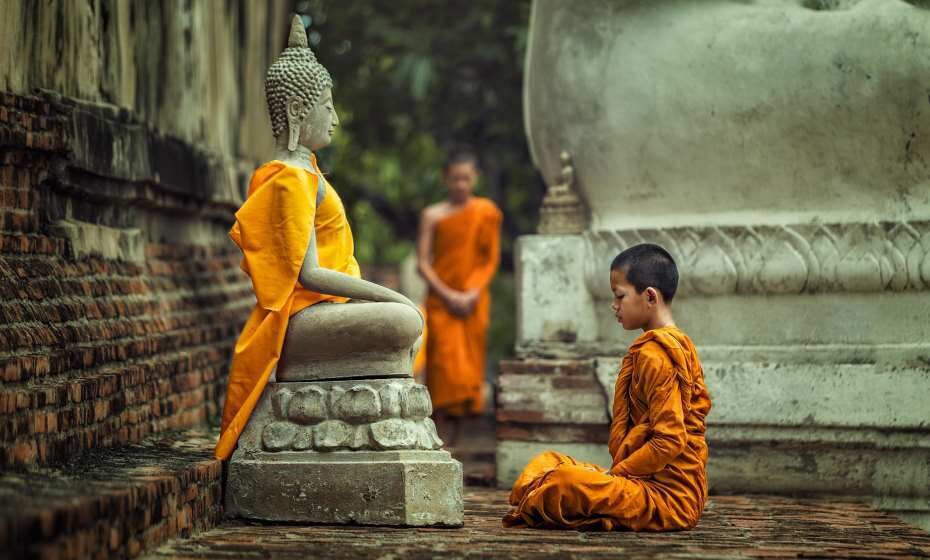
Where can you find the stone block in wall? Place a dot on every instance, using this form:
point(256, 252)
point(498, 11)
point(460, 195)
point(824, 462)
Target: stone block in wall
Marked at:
point(543, 391)
point(544, 404)
point(555, 311)
point(125, 244)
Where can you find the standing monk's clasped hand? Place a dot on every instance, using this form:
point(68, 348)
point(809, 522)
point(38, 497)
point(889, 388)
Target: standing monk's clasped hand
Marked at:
point(462, 304)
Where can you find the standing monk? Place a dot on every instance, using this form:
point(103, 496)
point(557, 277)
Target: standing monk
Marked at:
point(458, 250)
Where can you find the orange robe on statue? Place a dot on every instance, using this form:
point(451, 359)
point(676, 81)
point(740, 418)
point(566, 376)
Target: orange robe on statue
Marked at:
point(658, 480)
point(273, 230)
point(466, 252)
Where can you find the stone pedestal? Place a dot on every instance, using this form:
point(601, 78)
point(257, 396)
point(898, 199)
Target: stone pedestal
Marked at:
point(345, 451)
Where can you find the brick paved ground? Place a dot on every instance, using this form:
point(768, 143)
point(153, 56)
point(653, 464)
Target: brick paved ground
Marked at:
point(126, 501)
point(732, 527)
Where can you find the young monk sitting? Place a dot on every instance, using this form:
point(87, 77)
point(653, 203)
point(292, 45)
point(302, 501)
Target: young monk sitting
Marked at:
point(658, 480)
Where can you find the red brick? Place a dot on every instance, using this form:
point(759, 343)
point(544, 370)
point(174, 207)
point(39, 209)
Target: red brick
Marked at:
point(101, 410)
point(547, 366)
point(582, 433)
point(115, 539)
point(39, 424)
point(7, 403)
point(25, 453)
point(41, 365)
point(133, 547)
point(12, 371)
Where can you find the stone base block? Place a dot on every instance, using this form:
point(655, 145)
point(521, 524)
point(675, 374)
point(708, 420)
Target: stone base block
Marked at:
point(414, 488)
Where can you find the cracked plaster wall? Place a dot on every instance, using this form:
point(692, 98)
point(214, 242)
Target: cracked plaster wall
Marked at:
point(193, 70)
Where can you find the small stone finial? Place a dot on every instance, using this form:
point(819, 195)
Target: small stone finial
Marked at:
point(563, 211)
point(298, 36)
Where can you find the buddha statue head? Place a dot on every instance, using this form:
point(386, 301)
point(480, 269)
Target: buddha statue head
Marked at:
point(298, 90)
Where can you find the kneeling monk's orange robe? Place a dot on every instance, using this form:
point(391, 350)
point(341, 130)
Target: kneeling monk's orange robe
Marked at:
point(658, 480)
point(466, 252)
point(273, 230)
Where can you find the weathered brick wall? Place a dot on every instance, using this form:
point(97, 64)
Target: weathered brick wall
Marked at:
point(121, 326)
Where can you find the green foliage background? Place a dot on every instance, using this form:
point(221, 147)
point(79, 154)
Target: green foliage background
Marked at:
point(414, 78)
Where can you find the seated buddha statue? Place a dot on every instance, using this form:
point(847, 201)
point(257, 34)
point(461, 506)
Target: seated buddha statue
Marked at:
point(315, 317)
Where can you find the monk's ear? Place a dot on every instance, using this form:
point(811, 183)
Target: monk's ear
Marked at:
point(652, 295)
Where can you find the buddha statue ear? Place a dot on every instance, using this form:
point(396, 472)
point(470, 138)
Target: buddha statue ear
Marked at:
point(295, 110)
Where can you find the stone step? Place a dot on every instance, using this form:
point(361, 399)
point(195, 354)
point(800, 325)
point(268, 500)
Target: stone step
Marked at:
point(113, 502)
point(474, 455)
point(47, 420)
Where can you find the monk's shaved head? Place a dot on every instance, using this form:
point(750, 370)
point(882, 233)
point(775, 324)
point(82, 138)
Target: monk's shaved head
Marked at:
point(460, 155)
point(646, 265)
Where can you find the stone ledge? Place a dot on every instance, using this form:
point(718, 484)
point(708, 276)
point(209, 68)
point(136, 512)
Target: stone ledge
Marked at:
point(125, 244)
point(108, 154)
point(582, 366)
point(116, 502)
point(868, 256)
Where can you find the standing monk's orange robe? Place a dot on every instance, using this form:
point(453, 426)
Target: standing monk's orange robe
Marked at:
point(658, 480)
point(419, 361)
point(273, 230)
point(466, 252)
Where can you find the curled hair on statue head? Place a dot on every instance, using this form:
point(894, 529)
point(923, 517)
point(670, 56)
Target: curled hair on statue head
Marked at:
point(648, 265)
point(294, 74)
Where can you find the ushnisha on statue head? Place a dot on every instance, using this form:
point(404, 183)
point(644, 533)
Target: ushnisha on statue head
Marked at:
point(298, 90)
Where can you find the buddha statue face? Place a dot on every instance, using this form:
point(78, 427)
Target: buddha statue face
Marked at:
point(298, 90)
point(316, 129)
